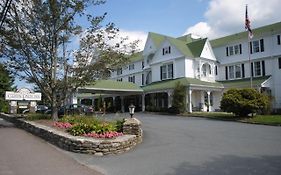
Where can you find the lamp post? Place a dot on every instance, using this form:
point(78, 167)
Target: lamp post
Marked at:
point(131, 110)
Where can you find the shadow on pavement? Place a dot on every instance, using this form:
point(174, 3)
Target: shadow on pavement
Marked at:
point(233, 165)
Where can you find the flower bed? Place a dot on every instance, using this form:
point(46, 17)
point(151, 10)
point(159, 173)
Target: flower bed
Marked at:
point(90, 127)
point(82, 144)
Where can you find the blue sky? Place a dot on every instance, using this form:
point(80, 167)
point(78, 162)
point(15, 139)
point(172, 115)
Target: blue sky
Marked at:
point(207, 18)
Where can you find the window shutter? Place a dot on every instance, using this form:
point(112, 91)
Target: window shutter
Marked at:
point(243, 71)
point(226, 51)
point(226, 73)
point(251, 48)
point(163, 51)
point(240, 48)
point(216, 70)
point(172, 71)
point(278, 40)
point(161, 73)
point(263, 68)
point(279, 62)
point(169, 49)
point(262, 45)
point(252, 69)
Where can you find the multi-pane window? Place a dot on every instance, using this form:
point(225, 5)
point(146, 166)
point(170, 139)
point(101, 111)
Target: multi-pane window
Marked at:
point(235, 71)
point(258, 68)
point(231, 72)
point(119, 71)
point(238, 71)
point(170, 71)
point(131, 79)
point(131, 66)
point(257, 46)
point(166, 71)
point(234, 50)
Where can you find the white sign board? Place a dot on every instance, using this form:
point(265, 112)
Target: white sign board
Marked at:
point(22, 94)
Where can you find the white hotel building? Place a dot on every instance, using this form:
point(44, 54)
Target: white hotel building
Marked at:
point(205, 67)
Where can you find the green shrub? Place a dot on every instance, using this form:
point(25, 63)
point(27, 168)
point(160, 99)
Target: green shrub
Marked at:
point(242, 102)
point(119, 125)
point(38, 116)
point(80, 129)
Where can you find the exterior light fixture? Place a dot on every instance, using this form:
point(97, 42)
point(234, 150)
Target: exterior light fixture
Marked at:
point(131, 110)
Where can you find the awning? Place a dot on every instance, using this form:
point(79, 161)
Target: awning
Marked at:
point(111, 87)
point(245, 83)
point(188, 82)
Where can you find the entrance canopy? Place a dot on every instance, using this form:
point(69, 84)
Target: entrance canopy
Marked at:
point(111, 87)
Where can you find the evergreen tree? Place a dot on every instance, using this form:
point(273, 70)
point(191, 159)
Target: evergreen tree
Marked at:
point(179, 98)
point(6, 83)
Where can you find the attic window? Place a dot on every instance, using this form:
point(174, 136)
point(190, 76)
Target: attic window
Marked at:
point(166, 50)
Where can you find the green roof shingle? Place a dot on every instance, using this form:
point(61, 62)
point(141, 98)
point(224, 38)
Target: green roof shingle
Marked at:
point(244, 83)
point(170, 84)
point(230, 38)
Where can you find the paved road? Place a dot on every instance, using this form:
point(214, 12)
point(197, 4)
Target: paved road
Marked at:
point(194, 146)
point(24, 154)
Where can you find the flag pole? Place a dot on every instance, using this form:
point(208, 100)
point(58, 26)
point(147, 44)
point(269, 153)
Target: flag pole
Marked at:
point(250, 35)
point(250, 65)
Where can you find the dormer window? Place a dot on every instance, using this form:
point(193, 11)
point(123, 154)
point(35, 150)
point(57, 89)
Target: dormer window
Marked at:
point(166, 50)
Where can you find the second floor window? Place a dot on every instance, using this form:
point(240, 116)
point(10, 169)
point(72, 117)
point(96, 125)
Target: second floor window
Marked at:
point(131, 79)
point(166, 71)
point(234, 71)
point(257, 46)
point(258, 68)
point(119, 71)
point(131, 66)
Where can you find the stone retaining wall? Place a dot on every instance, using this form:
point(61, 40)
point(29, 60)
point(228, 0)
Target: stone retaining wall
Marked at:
point(98, 147)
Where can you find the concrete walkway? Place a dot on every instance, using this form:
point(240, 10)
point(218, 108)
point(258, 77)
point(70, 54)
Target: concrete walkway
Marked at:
point(24, 154)
point(194, 146)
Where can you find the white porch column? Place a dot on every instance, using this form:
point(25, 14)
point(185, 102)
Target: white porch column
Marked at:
point(190, 100)
point(93, 101)
point(143, 102)
point(209, 101)
point(122, 104)
point(170, 98)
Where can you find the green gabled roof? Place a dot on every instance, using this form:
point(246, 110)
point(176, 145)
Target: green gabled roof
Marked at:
point(136, 57)
point(111, 85)
point(170, 84)
point(197, 47)
point(230, 38)
point(181, 46)
point(157, 38)
point(187, 38)
point(244, 83)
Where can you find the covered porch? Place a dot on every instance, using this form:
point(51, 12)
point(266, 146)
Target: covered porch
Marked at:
point(200, 95)
point(109, 95)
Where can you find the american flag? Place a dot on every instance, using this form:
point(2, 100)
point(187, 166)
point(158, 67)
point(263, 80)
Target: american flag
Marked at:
point(247, 24)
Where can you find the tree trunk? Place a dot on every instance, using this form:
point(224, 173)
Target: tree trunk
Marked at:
point(54, 107)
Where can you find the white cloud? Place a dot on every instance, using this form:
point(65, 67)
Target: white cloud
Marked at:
point(133, 36)
point(225, 17)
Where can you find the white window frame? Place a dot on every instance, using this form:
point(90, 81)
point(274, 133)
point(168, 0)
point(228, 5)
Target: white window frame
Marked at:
point(167, 71)
point(132, 66)
point(119, 71)
point(257, 69)
point(231, 72)
point(256, 46)
point(238, 69)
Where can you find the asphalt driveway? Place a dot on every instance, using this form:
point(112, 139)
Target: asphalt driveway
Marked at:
point(24, 154)
point(177, 146)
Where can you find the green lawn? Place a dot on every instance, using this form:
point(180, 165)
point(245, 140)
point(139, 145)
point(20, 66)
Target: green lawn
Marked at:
point(265, 119)
point(259, 119)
